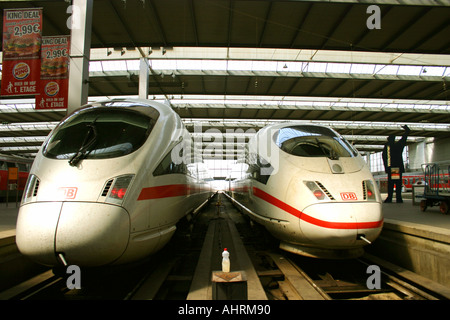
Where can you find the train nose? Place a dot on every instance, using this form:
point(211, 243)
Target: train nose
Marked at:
point(88, 234)
point(340, 225)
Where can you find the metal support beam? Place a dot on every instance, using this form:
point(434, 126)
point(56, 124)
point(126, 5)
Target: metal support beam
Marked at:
point(143, 78)
point(80, 46)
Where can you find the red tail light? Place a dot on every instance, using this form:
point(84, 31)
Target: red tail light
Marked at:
point(369, 190)
point(118, 193)
point(315, 189)
point(119, 187)
point(318, 194)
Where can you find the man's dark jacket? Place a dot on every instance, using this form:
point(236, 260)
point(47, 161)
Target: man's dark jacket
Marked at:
point(393, 158)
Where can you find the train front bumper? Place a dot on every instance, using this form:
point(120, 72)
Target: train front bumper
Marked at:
point(86, 233)
point(341, 225)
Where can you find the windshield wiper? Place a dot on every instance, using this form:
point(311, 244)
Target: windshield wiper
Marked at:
point(88, 142)
point(328, 150)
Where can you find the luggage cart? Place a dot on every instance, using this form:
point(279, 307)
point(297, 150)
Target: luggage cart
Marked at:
point(437, 191)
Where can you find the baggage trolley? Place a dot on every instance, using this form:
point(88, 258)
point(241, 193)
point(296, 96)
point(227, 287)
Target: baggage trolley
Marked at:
point(437, 191)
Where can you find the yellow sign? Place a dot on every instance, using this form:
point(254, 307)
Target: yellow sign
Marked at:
point(13, 174)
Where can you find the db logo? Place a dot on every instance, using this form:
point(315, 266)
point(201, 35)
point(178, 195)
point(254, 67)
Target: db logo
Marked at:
point(67, 192)
point(346, 196)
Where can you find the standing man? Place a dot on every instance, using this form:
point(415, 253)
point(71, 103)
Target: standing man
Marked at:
point(393, 164)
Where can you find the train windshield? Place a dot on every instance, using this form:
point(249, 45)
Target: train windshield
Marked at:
point(313, 141)
point(98, 133)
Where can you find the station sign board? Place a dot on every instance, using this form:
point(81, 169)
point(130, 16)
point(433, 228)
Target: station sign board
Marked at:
point(13, 174)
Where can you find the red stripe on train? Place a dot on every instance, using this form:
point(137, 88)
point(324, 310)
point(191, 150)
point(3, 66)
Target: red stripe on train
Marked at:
point(172, 190)
point(321, 223)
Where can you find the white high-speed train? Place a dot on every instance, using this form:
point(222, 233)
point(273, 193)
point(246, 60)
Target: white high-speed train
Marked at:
point(109, 185)
point(310, 188)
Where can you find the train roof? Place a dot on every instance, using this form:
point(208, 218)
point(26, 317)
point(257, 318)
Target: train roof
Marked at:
point(141, 105)
point(281, 125)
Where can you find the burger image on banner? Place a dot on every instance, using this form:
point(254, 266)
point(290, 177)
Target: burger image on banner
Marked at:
point(27, 46)
point(58, 67)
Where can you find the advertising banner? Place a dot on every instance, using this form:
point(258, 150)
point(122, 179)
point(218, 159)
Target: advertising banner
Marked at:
point(21, 51)
point(54, 80)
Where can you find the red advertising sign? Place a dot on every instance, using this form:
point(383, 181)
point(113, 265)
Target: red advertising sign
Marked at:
point(54, 83)
point(21, 51)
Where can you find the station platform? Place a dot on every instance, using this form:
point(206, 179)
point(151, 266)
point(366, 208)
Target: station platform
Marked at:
point(8, 219)
point(415, 240)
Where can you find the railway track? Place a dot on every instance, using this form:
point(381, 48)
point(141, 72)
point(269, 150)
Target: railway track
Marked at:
point(169, 274)
point(288, 277)
point(145, 281)
point(165, 275)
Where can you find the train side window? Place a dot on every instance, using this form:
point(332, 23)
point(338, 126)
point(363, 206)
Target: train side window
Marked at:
point(258, 168)
point(168, 166)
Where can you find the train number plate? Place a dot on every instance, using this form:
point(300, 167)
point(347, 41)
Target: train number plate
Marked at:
point(346, 196)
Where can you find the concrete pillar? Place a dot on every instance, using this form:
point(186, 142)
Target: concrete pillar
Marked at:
point(80, 45)
point(143, 78)
point(417, 155)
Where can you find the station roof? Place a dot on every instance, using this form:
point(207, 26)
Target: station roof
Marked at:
point(246, 63)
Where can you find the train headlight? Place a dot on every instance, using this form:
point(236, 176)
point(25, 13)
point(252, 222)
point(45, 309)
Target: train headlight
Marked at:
point(369, 190)
point(117, 188)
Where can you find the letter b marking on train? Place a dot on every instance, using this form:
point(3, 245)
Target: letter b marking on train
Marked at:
point(374, 280)
point(74, 280)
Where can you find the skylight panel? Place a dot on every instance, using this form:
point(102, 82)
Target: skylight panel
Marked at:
point(95, 66)
point(132, 64)
point(447, 72)
point(163, 64)
point(211, 64)
point(362, 68)
point(238, 65)
point(433, 71)
point(263, 66)
point(316, 67)
point(114, 65)
point(338, 67)
point(290, 66)
point(387, 69)
point(409, 70)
